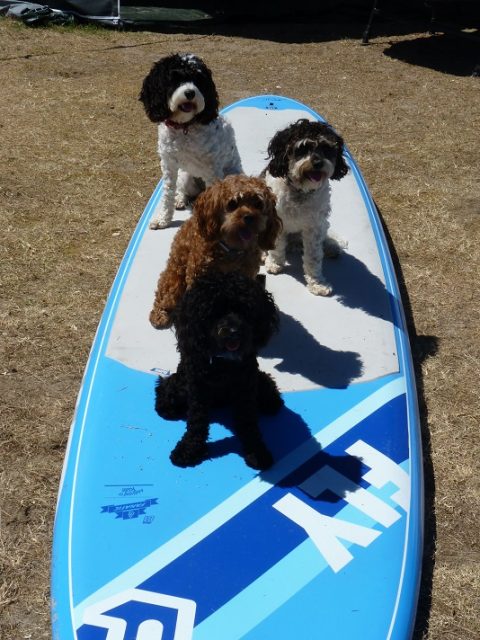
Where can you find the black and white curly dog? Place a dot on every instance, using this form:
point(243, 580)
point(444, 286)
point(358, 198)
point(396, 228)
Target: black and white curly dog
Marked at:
point(221, 323)
point(303, 158)
point(196, 145)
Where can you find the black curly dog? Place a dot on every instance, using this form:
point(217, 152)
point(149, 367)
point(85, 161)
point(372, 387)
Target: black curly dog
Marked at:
point(221, 323)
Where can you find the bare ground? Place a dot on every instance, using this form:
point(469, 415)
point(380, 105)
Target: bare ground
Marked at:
point(77, 166)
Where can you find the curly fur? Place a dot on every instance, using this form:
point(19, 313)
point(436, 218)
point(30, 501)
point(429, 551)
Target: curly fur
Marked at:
point(221, 323)
point(303, 158)
point(195, 144)
point(233, 222)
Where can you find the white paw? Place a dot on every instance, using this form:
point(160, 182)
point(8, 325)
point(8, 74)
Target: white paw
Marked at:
point(319, 288)
point(181, 202)
point(159, 223)
point(273, 267)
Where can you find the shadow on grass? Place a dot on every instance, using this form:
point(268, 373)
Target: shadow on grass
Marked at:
point(279, 22)
point(453, 55)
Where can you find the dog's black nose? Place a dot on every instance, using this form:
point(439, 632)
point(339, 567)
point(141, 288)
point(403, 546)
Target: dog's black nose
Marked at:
point(190, 94)
point(317, 163)
point(249, 219)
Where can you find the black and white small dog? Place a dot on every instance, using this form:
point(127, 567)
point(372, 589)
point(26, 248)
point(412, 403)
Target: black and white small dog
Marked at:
point(196, 145)
point(304, 157)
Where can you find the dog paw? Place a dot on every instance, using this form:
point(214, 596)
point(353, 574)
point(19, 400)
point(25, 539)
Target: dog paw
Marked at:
point(273, 267)
point(160, 319)
point(159, 223)
point(181, 203)
point(188, 454)
point(319, 288)
point(261, 459)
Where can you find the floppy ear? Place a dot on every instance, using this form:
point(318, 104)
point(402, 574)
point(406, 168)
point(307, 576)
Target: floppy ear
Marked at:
point(341, 167)
point(208, 211)
point(268, 237)
point(278, 154)
point(153, 94)
point(190, 320)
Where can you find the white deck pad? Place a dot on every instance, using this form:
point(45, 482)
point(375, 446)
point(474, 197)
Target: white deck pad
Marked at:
point(333, 341)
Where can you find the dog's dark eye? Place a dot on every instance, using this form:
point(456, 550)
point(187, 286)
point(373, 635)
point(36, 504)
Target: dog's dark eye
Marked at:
point(326, 150)
point(256, 202)
point(231, 205)
point(223, 332)
point(302, 150)
point(176, 77)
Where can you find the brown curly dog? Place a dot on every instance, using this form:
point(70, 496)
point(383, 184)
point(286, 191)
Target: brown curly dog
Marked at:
point(233, 222)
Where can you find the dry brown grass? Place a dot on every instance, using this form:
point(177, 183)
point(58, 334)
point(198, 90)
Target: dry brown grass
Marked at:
point(78, 164)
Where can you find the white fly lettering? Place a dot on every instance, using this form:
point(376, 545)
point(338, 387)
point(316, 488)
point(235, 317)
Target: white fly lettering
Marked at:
point(325, 531)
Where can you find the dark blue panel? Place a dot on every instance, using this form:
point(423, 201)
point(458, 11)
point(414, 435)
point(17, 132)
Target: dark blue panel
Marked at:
point(249, 544)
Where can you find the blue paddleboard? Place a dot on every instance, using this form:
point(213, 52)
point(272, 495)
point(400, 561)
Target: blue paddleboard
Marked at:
point(325, 544)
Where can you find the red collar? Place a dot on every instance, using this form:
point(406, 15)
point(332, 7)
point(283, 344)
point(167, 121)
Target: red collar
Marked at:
point(171, 124)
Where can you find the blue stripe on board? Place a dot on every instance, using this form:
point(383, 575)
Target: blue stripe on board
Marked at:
point(131, 424)
point(315, 609)
point(167, 552)
point(224, 559)
point(272, 103)
point(170, 543)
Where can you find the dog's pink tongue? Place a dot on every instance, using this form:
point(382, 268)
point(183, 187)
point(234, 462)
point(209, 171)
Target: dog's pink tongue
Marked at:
point(315, 176)
point(232, 345)
point(246, 235)
point(187, 107)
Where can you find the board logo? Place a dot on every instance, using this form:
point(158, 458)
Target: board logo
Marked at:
point(137, 614)
point(131, 510)
point(271, 106)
